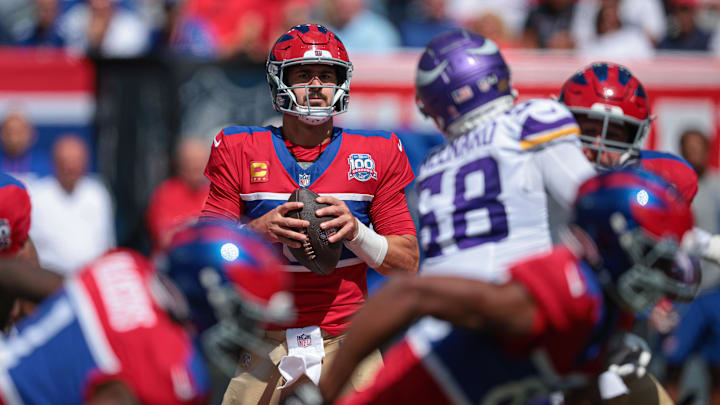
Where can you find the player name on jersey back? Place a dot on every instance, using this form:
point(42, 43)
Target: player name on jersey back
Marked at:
point(482, 199)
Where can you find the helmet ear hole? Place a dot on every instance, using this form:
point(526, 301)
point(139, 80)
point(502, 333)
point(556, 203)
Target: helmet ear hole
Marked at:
point(284, 77)
point(341, 74)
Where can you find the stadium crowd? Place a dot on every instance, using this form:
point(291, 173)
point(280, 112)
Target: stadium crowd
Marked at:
point(246, 28)
point(72, 225)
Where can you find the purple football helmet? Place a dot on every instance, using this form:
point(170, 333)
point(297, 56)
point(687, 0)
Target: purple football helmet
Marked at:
point(462, 81)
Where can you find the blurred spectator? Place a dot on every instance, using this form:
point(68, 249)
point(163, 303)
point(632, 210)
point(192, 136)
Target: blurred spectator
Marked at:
point(159, 16)
point(614, 38)
point(548, 25)
point(646, 16)
point(16, 20)
point(715, 42)
point(683, 32)
point(72, 215)
point(360, 28)
point(44, 31)
point(103, 28)
point(181, 197)
point(192, 35)
point(695, 148)
point(5, 37)
point(491, 25)
point(513, 14)
point(227, 29)
point(430, 20)
point(17, 155)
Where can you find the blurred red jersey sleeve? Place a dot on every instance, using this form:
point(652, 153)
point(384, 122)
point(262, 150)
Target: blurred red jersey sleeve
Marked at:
point(222, 170)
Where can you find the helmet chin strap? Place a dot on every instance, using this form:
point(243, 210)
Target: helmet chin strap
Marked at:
point(314, 121)
point(310, 117)
point(626, 159)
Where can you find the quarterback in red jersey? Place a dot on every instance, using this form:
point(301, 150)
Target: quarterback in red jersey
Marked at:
point(549, 327)
point(360, 174)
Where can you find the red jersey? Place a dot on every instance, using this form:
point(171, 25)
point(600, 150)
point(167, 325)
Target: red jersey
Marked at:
point(252, 171)
point(102, 325)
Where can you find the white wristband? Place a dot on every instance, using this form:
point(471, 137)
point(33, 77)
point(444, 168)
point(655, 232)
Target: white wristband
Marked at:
point(368, 245)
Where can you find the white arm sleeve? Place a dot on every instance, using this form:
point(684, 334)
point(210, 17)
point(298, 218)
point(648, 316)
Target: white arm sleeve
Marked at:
point(563, 167)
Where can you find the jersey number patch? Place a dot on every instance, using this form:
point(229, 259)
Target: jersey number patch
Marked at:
point(460, 209)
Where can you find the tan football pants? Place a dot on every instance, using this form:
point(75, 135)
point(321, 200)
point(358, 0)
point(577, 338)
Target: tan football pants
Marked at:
point(258, 377)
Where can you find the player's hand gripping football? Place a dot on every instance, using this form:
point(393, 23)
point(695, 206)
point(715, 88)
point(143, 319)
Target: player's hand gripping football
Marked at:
point(344, 222)
point(274, 226)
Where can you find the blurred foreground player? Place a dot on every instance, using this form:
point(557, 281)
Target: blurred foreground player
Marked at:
point(14, 240)
point(547, 328)
point(113, 333)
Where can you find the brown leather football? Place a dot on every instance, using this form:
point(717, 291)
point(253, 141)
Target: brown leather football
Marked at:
point(317, 253)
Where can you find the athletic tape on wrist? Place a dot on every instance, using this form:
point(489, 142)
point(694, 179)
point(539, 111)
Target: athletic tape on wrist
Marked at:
point(368, 245)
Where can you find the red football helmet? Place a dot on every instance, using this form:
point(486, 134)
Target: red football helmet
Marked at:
point(609, 95)
point(14, 215)
point(308, 44)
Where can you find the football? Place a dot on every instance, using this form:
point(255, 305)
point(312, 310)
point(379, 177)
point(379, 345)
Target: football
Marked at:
point(317, 253)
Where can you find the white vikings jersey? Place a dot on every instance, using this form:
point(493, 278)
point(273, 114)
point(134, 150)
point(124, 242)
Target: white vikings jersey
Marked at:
point(482, 196)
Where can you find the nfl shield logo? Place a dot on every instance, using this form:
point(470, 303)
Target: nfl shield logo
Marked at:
point(304, 180)
point(304, 340)
point(462, 94)
point(245, 360)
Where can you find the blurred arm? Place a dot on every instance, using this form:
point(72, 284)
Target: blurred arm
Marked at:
point(28, 252)
point(502, 309)
point(24, 279)
point(10, 309)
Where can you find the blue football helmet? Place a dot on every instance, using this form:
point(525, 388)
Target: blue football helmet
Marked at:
point(637, 222)
point(462, 81)
point(234, 285)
